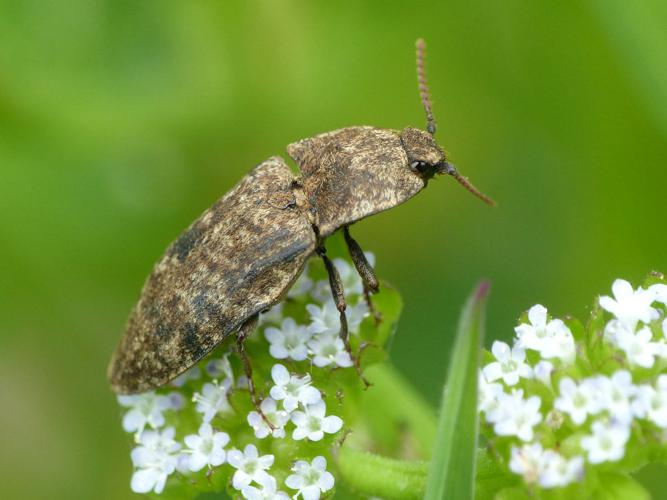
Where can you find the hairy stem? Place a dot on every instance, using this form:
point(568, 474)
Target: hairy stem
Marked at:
point(373, 475)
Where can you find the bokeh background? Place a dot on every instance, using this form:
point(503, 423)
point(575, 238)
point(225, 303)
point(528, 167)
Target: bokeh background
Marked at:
point(120, 121)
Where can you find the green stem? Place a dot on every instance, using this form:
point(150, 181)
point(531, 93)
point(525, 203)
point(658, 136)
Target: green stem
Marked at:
point(373, 475)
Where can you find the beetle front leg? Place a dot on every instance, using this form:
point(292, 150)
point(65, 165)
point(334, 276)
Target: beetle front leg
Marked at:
point(339, 299)
point(365, 270)
point(244, 331)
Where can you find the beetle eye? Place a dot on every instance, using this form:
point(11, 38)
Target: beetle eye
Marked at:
point(420, 167)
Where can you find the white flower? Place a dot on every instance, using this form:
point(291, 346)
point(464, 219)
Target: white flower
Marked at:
point(613, 329)
point(312, 423)
point(638, 347)
point(526, 461)
point(510, 365)
point(278, 419)
point(292, 390)
point(355, 315)
point(213, 399)
point(249, 466)
point(615, 395)
point(325, 319)
point(216, 368)
point(659, 292)
point(155, 459)
point(268, 491)
point(560, 344)
point(548, 468)
point(651, 403)
point(577, 400)
point(273, 315)
point(515, 416)
point(328, 348)
point(193, 373)
point(310, 479)
point(301, 286)
point(607, 443)
point(288, 341)
point(556, 471)
point(352, 283)
point(488, 394)
point(183, 463)
point(321, 292)
point(154, 441)
point(206, 448)
point(628, 305)
point(542, 371)
point(531, 336)
point(176, 400)
point(145, 409)
point(552, 340)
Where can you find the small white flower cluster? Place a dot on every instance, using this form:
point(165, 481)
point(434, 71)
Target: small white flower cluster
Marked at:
point(294, 392)
point(598, 410)
point(318, 341)
point(634, 312)
point(293, 400)
point(158, 455)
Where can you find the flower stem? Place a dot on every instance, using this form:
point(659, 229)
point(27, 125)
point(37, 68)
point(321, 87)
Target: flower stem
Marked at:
point(373, 475)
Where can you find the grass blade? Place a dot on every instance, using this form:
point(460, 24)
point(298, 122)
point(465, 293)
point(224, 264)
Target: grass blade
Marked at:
point(452, 470)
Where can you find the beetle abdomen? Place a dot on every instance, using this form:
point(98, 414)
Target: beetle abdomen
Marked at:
point(237, 259)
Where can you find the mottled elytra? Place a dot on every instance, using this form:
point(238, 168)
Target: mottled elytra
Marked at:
point(243, 254)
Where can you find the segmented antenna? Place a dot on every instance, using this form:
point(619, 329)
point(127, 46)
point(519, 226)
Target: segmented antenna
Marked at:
point(423, 86)
point(466, 184)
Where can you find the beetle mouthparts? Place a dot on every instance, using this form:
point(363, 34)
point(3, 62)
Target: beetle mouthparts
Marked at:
point(450, 169)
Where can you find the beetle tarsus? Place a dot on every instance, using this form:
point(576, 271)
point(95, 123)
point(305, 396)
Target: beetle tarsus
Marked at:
point(244, 331)
point(339, 299)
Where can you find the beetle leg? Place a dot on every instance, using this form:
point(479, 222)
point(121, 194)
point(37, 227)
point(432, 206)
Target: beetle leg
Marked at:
point(339, 298)
point(365, 270)
point(244, 331)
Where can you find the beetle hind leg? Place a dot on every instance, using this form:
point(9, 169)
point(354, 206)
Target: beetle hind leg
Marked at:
point(339, 299)
point(244, 331)
point(365, 270)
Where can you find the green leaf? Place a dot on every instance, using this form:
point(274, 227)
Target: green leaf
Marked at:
point(491, 476)
point(452, 470)
point(614, 486)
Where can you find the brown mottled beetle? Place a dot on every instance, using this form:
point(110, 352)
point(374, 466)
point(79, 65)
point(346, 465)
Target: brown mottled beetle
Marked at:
point(243, 254)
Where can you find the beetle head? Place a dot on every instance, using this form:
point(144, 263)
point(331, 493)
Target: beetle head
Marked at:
point(425, 157)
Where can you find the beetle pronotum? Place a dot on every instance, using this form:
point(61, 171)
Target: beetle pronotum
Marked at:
point(241, 256)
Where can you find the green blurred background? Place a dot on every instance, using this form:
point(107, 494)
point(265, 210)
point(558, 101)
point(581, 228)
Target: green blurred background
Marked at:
point(120, 121)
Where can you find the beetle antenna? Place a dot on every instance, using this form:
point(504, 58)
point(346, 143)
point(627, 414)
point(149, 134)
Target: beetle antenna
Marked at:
point(423, 85)
point(451, 170)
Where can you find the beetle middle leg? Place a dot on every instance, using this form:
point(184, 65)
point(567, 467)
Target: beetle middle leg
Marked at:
point(244, 331)
point(365, 270)
point(339, 299)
